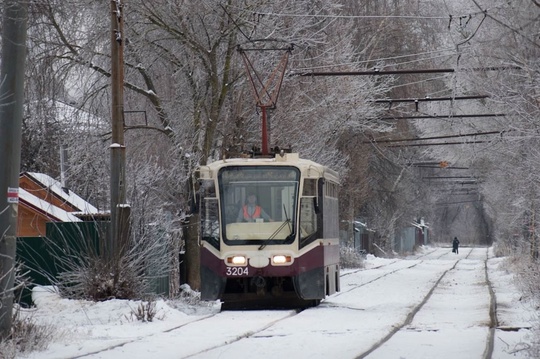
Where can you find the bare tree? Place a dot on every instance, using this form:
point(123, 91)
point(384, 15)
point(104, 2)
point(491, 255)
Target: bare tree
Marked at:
point(185, 86)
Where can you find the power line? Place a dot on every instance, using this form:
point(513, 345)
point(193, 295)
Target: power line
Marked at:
point(470, 182)
point(449, 17)
point(447, 203)
point(423, 117)
point(450, 49)
point(329, 16)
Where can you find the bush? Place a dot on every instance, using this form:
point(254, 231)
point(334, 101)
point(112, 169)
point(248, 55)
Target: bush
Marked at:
point(189, 302)
point(350, 258)
point(86, 266)
point(93, 279)
point(26, 336)
point(527, 275)
point(146, 311)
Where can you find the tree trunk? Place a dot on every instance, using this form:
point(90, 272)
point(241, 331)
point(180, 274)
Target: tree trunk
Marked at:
point(193, 252)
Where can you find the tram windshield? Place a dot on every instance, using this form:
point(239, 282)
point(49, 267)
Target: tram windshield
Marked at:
point(258, 204)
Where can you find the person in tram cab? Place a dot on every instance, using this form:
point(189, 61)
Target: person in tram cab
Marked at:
point(251, 211)
point(455, 245)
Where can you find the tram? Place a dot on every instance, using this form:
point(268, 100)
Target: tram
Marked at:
point(269, 232)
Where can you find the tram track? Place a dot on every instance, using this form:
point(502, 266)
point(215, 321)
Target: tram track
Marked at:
point(247, 327)
point(493, 322)
point(247, 333)
point(136, 339)
point(403, 266)
point(351, 308)
point(408, 319)
point(260, 333)
point(406, 324)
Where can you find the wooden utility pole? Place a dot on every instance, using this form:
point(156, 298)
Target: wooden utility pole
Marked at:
point(11, 108)
point(119, 210)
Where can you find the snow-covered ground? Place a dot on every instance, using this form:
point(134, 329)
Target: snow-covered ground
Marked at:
point(432, 305)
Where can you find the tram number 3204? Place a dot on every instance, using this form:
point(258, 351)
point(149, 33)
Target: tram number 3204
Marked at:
point(237, 271)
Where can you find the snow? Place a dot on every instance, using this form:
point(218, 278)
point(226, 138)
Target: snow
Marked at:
point(435, 303)
point(51, 210)
point(70, 197)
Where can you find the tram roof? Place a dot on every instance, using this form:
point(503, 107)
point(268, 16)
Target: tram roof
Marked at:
point(287, 159)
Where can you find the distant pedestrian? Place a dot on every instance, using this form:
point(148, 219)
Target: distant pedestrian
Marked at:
point(455, 245)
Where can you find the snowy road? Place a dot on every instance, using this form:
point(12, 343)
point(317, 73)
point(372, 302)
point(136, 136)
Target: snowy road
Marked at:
point(435, 305)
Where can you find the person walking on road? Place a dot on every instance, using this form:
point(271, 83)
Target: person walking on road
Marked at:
point(455, 245)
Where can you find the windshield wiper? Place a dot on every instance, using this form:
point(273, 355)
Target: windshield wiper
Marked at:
point(287, 221)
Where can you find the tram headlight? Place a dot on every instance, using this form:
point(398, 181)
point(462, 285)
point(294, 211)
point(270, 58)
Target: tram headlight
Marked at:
point(237, 260)
point(281, 259)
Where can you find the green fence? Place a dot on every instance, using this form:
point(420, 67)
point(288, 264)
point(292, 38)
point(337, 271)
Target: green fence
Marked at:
point(43, 258)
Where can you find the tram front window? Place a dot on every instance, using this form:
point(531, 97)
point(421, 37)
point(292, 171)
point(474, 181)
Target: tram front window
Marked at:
point(258, 203)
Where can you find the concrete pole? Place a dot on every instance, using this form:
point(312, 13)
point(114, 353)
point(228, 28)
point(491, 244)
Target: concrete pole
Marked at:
point(11, 109)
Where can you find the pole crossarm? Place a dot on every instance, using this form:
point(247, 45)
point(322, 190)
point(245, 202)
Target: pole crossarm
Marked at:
point(377, 72)
point(428, 99)
point(438, 144)
point(424, 117)
point(447, 177)
point(438, 137)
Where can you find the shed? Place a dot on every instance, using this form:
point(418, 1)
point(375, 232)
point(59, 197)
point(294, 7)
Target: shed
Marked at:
point(43, 199)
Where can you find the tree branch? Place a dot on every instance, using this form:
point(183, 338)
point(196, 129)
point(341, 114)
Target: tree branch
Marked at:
point(508, 26)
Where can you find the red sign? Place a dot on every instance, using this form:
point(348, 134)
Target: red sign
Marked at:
point(12, 195)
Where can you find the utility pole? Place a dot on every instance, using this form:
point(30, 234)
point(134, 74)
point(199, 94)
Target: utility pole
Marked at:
point(11, 108)
point(119, 210)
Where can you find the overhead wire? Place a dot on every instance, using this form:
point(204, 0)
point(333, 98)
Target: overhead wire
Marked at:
point(449, 17)
point(339, 16)
point(381, 60)
point(371, 16)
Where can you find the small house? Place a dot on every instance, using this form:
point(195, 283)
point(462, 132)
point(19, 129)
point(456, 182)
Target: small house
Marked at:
point(43, 199)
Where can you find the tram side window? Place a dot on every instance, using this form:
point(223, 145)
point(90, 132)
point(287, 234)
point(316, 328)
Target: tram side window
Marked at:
point(210, 218)
point(331, 208)
point(308, 214)
point(209, 213)
point(308, 217)
point(310, 187)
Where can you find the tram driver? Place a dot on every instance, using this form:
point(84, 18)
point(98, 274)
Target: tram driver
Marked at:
point(251, 211)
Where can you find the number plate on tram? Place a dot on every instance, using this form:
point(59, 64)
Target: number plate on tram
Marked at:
point(237, 271)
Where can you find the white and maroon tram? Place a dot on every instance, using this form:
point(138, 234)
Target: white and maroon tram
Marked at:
point(285, 252)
